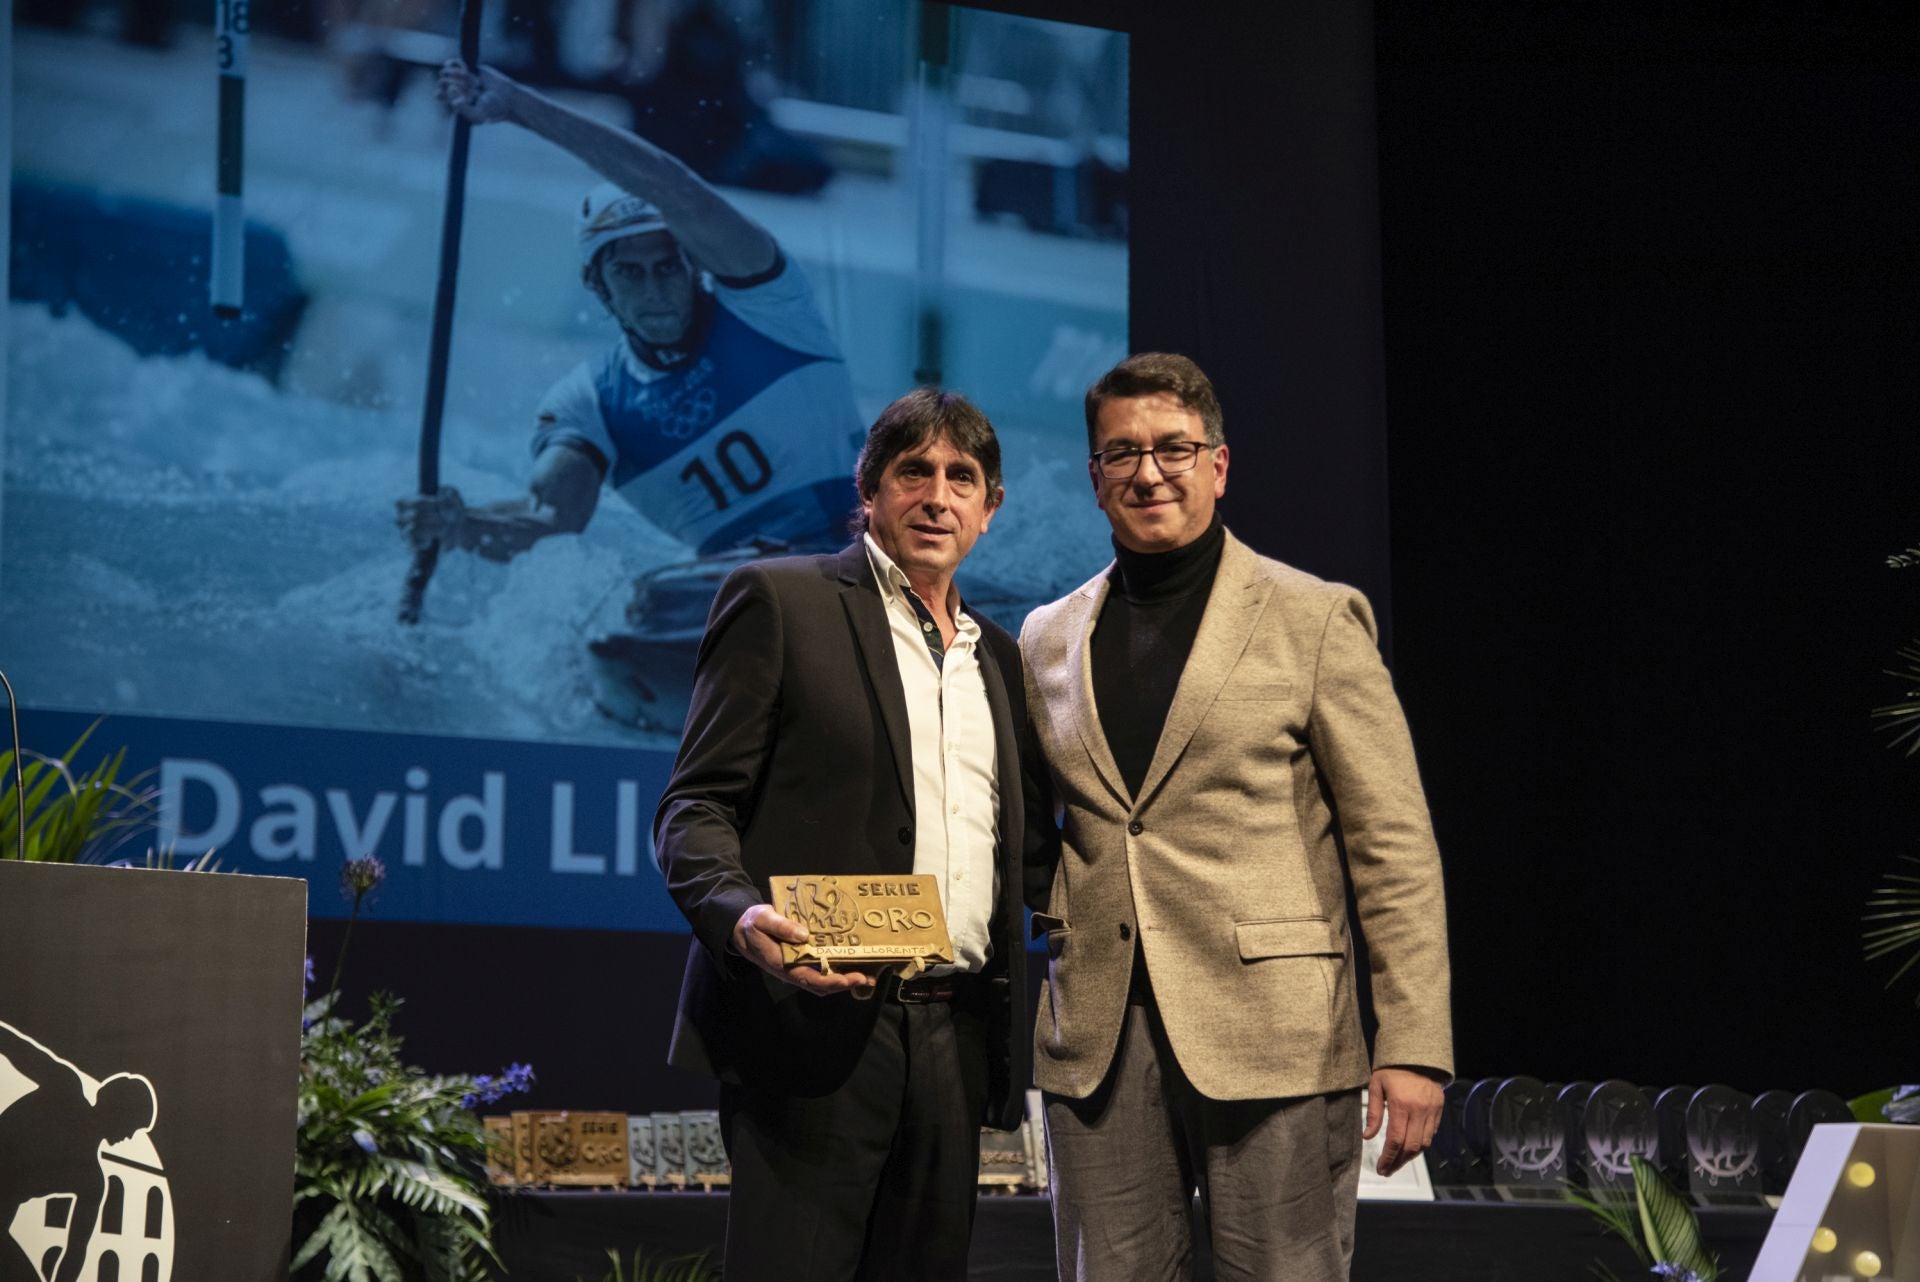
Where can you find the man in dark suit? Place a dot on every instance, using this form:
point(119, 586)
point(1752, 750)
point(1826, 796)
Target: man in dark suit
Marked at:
point(850, 716)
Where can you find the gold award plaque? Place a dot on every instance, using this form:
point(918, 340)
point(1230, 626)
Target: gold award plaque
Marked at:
point(499, 1149)
point(865, 922)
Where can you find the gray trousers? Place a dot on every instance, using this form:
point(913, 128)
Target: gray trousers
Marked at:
point(1277, 1178)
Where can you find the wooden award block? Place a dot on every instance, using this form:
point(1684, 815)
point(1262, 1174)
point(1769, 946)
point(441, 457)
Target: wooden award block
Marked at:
point(547, 1133)
point(500, 1150)
point(573, 1150)
point(522, 1147)
point(1003, 1159)
point(578, 1150)
point(865, 923)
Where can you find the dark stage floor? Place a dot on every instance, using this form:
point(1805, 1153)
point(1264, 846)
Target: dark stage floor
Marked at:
point(564, 1237)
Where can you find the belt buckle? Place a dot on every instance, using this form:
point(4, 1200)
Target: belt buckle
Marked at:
point(935, 990)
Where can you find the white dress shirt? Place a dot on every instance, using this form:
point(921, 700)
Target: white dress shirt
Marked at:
point(956, 793)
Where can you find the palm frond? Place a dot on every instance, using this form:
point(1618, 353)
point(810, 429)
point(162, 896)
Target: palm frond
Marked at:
point(1895, 905)
point(1616, 1216)
point(167, 858)
point(1672, 1234)
point(71, 815)
point(1871, 1107)
point(1902, 717)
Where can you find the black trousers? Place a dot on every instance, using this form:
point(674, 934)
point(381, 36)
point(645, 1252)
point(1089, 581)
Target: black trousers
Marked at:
point(874, 1181)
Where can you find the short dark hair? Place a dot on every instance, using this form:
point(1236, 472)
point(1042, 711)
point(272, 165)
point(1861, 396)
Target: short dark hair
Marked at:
point(1150, 373)
point(915, 420)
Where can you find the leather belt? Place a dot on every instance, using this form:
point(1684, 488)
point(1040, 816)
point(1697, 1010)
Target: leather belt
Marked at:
point(933, 988)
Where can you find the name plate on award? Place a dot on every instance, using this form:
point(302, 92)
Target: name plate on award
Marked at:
point(865, 923)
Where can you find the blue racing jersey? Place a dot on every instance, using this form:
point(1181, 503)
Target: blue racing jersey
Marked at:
point(754, 436)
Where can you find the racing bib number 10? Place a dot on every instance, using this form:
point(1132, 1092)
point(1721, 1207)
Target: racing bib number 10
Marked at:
point(743, 469)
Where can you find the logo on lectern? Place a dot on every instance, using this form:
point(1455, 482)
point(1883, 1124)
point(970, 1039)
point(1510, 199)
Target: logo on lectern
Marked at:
point(91, 1186)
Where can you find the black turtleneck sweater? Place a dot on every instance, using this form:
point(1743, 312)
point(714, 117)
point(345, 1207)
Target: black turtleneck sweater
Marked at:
point(1141, 642)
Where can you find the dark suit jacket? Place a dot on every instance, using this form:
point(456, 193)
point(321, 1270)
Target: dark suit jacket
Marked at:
point(796, 760)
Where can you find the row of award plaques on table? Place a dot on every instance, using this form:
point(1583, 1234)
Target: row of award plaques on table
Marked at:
point(679, 1151)
point(573, 1149)
point(1517, 1138)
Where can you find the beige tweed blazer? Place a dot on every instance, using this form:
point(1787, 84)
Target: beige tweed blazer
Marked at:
point(1284, 742)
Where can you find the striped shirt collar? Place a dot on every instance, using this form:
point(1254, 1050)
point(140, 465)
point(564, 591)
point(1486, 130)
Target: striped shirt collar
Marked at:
point(894, 587)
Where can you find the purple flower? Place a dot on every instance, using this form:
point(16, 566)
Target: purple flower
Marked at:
point(358, 876)
point(1675, 1272)
point(518, 1079)
point(365, 1141)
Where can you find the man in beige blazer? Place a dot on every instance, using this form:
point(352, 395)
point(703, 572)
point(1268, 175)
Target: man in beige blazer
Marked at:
point(1224, 748)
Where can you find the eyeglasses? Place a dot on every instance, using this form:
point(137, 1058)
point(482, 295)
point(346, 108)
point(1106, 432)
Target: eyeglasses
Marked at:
point(1172, 458)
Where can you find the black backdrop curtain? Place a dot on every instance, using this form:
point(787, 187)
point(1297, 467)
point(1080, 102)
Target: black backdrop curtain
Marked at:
point(1652, 285)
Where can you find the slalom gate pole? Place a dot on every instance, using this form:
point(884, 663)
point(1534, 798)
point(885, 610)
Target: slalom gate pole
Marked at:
point(441, 340)
point(226, 279)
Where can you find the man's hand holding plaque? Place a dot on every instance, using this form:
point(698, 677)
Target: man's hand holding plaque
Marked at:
point(762, 936)
point(859, 926)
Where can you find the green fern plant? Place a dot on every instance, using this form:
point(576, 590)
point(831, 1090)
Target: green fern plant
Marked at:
point(71, 815)
point(390, 1180)
point(388, 1155)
